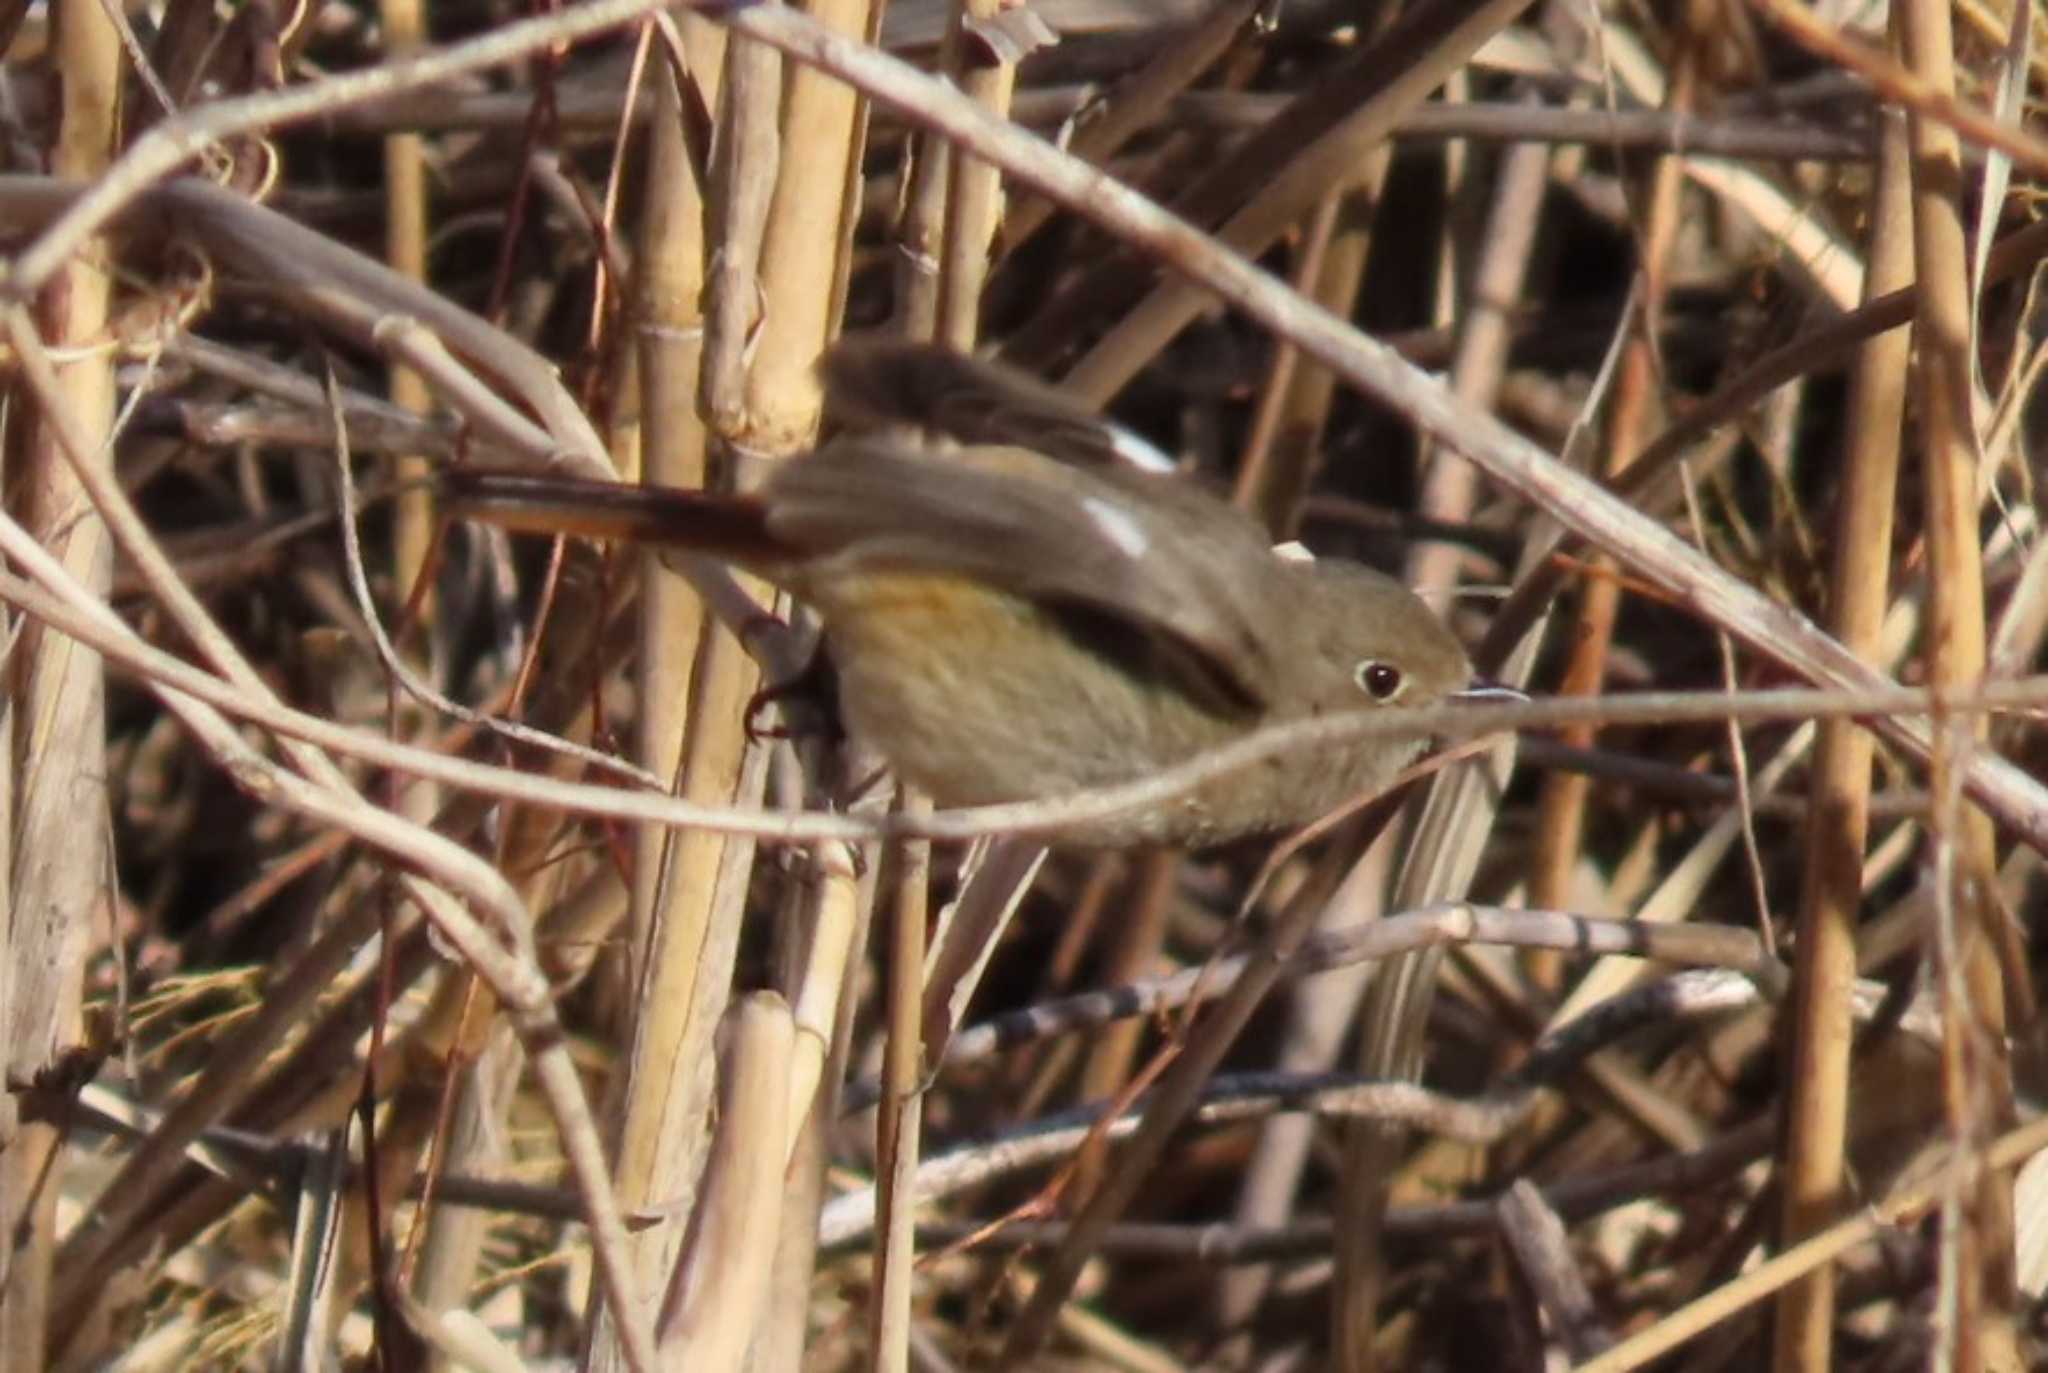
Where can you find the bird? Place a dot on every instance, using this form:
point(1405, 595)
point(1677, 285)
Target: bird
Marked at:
point(1037, 609)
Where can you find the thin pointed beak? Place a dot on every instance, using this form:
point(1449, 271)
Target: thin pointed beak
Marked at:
point(1483, 691)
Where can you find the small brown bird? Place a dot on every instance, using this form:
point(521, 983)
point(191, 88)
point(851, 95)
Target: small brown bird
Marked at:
point(1031, 614)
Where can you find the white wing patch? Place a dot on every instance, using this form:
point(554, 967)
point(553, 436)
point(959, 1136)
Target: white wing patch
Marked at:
point(1118, 526)
point(1139, 453)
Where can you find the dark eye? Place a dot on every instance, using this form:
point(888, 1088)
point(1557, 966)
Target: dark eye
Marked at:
point(1380, 680)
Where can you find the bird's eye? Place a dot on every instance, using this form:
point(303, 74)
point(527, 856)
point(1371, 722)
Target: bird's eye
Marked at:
point(1381, 681)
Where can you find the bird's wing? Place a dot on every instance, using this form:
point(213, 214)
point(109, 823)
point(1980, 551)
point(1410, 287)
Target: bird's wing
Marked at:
point(1173, 564)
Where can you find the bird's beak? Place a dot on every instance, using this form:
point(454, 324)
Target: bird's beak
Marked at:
point(1482, 691)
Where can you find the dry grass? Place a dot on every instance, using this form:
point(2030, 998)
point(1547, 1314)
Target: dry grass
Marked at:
point(346, 1020)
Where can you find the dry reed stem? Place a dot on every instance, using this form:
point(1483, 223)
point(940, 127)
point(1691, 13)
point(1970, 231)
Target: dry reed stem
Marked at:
point(1273, 476)
point(1967, 943)
point(1129, 947)
point(663, 1115)
point(585, 109)
point(444, 1258)
point(921, 242)
point(1838, 828)
point(1560, 841)
point(57, 847)
point(969, 930)
point(833, 914)
point(721, 1280)
point(405, 250)
point(899, 1117)
point(744, 161)
point(796, 281)
point(974, 190)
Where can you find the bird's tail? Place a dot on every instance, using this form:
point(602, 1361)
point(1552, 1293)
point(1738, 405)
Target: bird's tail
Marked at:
point(730, 527)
